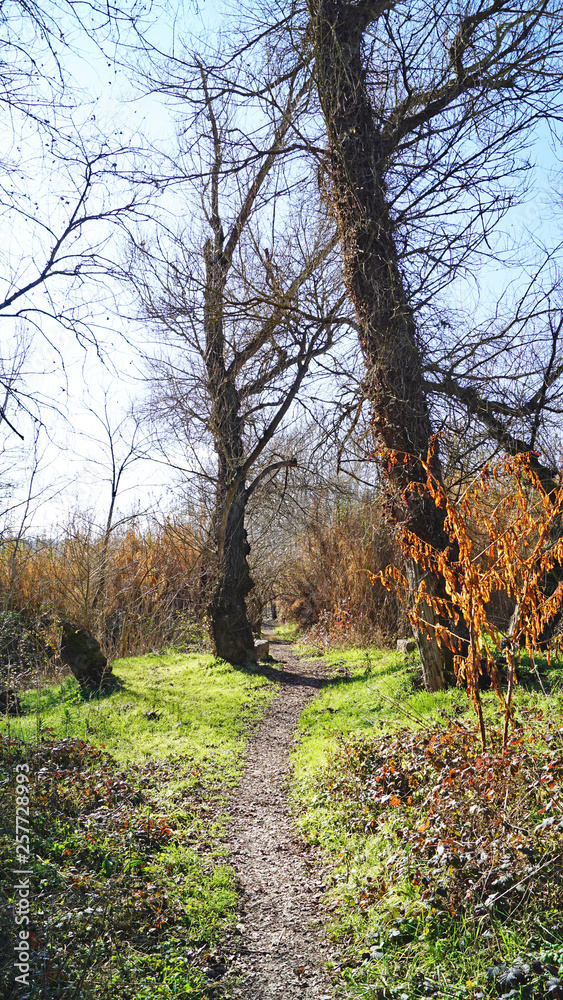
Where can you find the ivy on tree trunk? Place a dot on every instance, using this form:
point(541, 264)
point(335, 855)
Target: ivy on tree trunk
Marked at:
point(393, 383)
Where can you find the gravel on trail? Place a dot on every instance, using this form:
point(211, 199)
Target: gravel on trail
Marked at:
point(281, 949)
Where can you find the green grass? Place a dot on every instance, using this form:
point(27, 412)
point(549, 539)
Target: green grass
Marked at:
point(289, 631)
point(401, 920)
point(131, 895)
point(369, 689)
point(164, 706)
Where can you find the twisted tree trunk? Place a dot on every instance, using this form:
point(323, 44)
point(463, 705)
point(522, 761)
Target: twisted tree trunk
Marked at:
point(357, 157)
point(232, 632)
point(231, 580)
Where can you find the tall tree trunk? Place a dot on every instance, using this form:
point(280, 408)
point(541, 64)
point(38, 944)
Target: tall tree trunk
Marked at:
point(357, 164)
point(231, 580)
point(232, 633)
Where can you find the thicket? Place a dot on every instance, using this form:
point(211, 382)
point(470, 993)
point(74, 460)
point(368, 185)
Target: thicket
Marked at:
point(139, 590)
point(328, 587)
point(145, 587)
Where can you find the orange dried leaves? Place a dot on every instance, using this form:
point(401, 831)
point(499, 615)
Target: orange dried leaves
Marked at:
point(503, 535)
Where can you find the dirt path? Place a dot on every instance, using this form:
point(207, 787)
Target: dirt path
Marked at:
point(281, 947)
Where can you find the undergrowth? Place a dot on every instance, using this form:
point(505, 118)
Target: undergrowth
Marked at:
point(446, 865)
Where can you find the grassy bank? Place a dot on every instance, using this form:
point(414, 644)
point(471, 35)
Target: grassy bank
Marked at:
point(129, 893)
point(446, 865)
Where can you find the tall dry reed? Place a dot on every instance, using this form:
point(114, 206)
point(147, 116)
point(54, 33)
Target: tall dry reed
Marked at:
point(328, 588)
point(137, 590)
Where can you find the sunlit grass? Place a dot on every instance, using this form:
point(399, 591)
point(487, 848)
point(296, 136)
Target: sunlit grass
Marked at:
point(287, 631)
point(391, 942)
point(130, 889)
point(163, 706)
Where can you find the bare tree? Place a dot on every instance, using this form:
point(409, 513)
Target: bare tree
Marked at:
point(429, 112)
point(115, 445)
point(61, 196)
point(248, 301)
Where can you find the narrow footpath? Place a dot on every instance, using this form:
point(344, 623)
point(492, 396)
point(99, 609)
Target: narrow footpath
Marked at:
point(281, 947)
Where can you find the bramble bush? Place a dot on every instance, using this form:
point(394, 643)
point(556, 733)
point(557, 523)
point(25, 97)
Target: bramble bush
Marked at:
point(477, 833)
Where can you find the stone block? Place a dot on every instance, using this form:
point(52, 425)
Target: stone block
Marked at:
point(406, 646)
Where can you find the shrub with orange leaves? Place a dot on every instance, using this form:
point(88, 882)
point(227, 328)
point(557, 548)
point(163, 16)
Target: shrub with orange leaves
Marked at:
point(515, 549)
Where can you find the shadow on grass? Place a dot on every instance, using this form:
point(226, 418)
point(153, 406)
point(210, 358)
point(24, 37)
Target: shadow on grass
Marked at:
point(280, 675)
point(51, 697)
point(539, 676)
point(112, 685)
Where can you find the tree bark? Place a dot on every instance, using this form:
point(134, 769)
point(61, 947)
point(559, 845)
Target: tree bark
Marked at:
point(436, 659)
point(552, 579)
point(232, 632)
point(357, 157)
point(82, 653)
point(231, 580)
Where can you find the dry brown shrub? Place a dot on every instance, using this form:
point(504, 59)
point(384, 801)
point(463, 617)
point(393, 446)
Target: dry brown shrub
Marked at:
point(137, 591)
point(328, 588)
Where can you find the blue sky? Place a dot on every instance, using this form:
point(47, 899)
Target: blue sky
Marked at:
point(72, 463)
